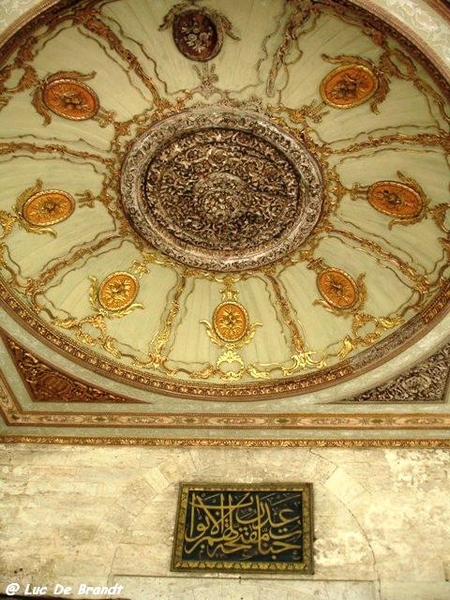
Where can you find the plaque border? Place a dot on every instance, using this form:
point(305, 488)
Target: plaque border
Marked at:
point(305, 567)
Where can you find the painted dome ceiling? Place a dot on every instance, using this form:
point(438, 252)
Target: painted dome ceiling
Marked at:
point(222, 200)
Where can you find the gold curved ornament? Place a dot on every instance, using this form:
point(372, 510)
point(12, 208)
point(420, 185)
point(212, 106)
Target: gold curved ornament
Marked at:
point(338, 288)
point(71, 99)
point(395, 199)
point(230, 321)
point(118, 291)
point(48, 207)
point(230, 357)
point(348, 86)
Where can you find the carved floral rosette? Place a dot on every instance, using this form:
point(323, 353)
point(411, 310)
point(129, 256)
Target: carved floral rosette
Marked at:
point(70, 99)
point(48, 207)
point(230, 321)
point(118, 291)
point(338, 288)
point(348, 86)
point(215, 189)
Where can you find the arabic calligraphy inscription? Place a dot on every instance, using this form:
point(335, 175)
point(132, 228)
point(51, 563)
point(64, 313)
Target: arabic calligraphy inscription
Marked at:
point(244, 527)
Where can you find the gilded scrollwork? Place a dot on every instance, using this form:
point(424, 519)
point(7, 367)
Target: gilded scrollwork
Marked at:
point(91, 331)
point(89, 17)
point(315, 111)
point(439, 214)
point(294, 28)
point(396, 63)
point(157, 357)
point(251, 178)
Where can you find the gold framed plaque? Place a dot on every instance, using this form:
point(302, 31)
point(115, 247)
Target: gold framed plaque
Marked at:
point(244, 527)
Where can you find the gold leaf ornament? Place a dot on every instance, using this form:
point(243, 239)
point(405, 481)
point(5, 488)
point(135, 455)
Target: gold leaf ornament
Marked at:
point(48, 207)
point(404, 200)
point(348, 86)
point(354, 82)
point(118, 291)
point(230, 321)
point(36, 209)
point(338, 288)
point(66, 95)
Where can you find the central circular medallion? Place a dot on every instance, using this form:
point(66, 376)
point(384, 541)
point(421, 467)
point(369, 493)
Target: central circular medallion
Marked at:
point(221, 189)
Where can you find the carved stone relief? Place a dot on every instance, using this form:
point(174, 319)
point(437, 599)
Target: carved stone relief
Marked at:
point(221, 190)
point(426, 382)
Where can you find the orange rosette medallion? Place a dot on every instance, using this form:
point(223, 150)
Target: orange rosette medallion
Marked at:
point(395, 199)
point(48, 208)
point(348, 86)
point(118, 291)
point(71, 99)
point(230, 321)
point(338, 288)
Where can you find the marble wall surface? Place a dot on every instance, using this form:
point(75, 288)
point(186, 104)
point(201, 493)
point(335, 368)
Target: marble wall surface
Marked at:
point(105, 517)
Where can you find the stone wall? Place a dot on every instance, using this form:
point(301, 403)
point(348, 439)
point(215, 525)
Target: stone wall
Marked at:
point(105, 517)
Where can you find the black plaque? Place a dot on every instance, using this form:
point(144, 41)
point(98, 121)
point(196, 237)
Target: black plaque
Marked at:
point(241, 527)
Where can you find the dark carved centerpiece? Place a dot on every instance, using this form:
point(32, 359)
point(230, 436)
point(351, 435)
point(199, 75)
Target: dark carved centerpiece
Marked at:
point(221, 189)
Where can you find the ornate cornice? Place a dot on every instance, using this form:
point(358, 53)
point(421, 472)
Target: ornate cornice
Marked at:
point(47, 383)
point(426, 382)
point(230, 443)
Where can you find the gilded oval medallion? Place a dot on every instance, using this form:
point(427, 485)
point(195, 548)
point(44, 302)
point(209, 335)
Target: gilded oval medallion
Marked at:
point(71, 99)
point(230, 321)
point(197, 35)
point(48, 208)
point(395, 199)
point(338, 288)
point(348, 86)
point(118, 291)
